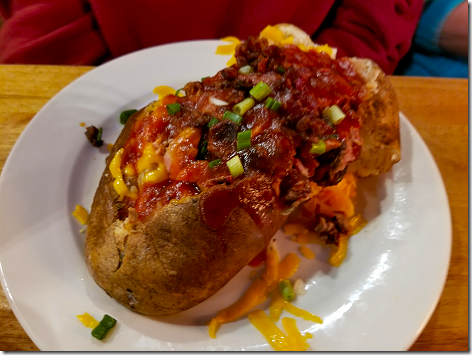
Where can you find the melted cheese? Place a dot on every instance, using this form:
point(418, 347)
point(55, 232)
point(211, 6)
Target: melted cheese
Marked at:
point(119, 184)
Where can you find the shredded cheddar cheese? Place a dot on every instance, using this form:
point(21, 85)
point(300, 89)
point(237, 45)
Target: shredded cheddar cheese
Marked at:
point(88, 320)
point(163, 90)
point(306, 252)
point(228, 49)
point(292, 341)
point(292, 331)
point(329, 200)
point(301, 313)
point(275, 35)
point(276, 306)
point(119, 184)
point(259, 289)
point(81, 214)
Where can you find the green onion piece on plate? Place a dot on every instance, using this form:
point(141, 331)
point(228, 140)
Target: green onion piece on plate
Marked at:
point(260, 91)
point(286, 290)
point(214, 163)
point(206, 77)
point(318, 148)
point(247, 69)
point(333, 114)
point(212, 122)
point(242, 107)
point(99, 135)
point(173, 108)
point(235, 166)
point(101, 330)
point(244, 139)
point(233, 117)
point(125, 115)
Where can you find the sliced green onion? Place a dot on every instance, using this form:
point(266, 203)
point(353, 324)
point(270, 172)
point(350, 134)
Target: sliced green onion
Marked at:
point(286, 290)
point(173, 108)
point(333, 114)
point(260, 91)
point(125, 115)
point(247, 69)
point(233, 117)
point(103, 327)
point(318, 148)
point(244, 140)
point(272, 104)
point(214, 163)
point(206, 77)
point(235, 166)
point(280, 69)
point(243, 106)
point(204, 148)
point(99, 135)
point(212, 122)
point(178, 92)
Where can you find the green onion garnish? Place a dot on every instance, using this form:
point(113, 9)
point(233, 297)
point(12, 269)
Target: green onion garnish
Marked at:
point(247, 69)
point(280, 69)
point(318, 148)
point(272, 104)
point(206, 77)
point(99, 135)
point(243, 106)
point(235, 166)
point(125, 115)
point(233, 117)
point(260, 91)
point(204, 148)
point(178, 92)
point(103, 327)
point(173, 108)
point(286, 290)
point(333, 114)
point(212, 122)
point(244, 140)
point(214, 163)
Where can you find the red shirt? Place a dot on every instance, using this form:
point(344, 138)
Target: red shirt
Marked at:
point(90, 32)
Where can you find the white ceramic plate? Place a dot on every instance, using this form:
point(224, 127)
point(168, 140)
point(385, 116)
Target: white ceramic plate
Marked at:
point(379, 299)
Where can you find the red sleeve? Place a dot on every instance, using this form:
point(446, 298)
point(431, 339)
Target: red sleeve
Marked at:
point(378, 29)
point(49, 32)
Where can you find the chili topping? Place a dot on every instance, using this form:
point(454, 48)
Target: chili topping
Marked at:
point(288, 115)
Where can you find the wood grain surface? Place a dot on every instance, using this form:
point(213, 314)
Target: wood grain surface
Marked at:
point(438, 108)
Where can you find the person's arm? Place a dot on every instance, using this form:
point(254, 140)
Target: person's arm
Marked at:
point(380, 30)
point(454, 35)
point(49, 32)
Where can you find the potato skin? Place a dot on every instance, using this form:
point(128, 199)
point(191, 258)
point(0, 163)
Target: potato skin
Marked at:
point(173, 260)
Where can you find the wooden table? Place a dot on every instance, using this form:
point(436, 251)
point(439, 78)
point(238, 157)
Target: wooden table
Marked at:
point(438, 108)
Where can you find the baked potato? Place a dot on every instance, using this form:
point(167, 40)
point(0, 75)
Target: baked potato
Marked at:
point(196, 186)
